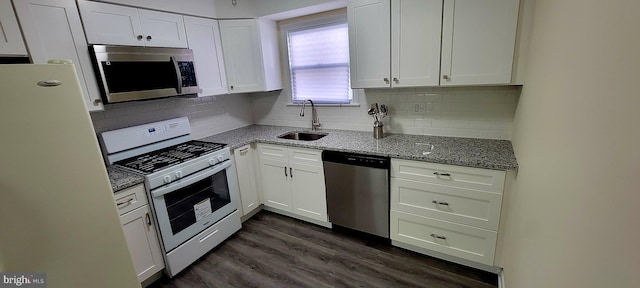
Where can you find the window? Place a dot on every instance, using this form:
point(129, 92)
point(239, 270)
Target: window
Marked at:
point(319, 60)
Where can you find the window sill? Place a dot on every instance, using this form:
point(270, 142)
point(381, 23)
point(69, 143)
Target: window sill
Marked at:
point(326, 105)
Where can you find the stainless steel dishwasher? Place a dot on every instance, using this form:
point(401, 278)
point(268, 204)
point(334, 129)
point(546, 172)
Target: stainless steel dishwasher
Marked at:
point(358, 191)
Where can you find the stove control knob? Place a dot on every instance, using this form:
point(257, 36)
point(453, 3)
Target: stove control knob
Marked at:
point(178, 174)
point(220, 158)
point(167, 179)
point(212, 162)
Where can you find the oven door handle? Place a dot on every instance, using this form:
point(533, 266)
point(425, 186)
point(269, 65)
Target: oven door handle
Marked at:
point(171, 187)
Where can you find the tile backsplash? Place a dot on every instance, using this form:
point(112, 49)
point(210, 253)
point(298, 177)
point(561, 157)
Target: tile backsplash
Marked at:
point(475, 112)
point(207, 115)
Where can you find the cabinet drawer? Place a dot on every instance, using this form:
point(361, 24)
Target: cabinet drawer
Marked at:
point(130, 198)
point(182, 256)
point(457, 240)
point(465, 206)
point(455, 176)
point(274, 152)
point(305, 156)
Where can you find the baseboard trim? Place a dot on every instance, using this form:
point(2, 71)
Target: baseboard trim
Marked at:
point(296, 216)
point(501, 279)
point(250, 214)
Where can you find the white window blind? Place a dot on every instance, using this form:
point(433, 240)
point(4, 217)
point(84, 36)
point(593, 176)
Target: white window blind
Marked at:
point(319, 64)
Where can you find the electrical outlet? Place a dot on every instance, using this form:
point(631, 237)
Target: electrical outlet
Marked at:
point(419, 108)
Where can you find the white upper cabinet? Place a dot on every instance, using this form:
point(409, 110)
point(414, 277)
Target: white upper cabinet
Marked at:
point(11, 42)
point(478, 38)
point(52, 30)
point(120, 25)
point(369, 43)
point(394, 43)
point(251, 55)
point(410, 43)
point(415, 42)
point(203, 37)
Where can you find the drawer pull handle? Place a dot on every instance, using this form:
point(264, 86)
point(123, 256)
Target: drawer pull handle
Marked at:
point(208, 236)
point(285, 172)
point(438, 236)
point(243, 151)
point(440, 203)
point(148, 219)
point(125, 203)
point(291, 172)
point(441, 174)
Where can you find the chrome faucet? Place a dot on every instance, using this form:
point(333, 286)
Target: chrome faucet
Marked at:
point(315, 123)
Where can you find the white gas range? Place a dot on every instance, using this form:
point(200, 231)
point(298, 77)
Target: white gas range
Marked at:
point(190, 184)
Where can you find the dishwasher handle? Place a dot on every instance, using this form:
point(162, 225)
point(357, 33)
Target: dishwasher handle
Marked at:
point(346, 158)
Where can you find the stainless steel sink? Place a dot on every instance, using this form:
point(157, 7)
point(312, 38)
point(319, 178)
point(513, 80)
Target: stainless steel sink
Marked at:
point(302, 136)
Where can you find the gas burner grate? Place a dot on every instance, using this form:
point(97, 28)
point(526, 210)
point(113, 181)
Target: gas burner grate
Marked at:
point(160, 159)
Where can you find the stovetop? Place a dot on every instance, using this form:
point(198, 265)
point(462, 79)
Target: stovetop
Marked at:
point(164, 158)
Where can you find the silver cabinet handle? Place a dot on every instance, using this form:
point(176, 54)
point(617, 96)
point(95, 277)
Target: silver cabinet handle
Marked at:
point(125, 203)
point(395, 80)
point(291, 172)
point(148, 219)
point(445, 77)
point(440, 203)
point(285, 172)
point(441, 174)
point(386, 80)
point(140, 37)
point(438, 236)
point(149, 38)
point(244, 151)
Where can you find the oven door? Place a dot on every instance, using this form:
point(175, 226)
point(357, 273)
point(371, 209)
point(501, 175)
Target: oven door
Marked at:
point(188, 206)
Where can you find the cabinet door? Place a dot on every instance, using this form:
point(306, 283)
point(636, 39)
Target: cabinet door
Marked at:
point(203, 37)
point(309, 193)
point(276, 186)
point(144, 247)
point(242, 55)
point(369, 43)
point(162, 29)
point(415, 42)
point(11, 42)
point(478, 38)
point(246, 179)
point(52, 30)
point(111, 24)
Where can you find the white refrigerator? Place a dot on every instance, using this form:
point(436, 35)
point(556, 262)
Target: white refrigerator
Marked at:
point(57, 212)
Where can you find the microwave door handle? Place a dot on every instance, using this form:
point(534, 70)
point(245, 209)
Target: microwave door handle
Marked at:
point(178, 74)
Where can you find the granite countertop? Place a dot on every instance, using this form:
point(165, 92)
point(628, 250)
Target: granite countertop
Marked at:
point(469, 152)
point(121, 179)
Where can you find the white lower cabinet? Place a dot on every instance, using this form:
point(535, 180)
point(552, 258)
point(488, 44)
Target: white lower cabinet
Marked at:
point(245, 168)
point(293, 181)
point(139, 231)
point(447, 209)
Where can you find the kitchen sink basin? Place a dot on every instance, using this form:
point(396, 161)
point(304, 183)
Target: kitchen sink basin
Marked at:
point(302, 136)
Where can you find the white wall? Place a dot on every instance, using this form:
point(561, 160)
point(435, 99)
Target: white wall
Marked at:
point(207, 115)
point(574, 210)
point(475, 112)
point(204, 8)
point(273, 8)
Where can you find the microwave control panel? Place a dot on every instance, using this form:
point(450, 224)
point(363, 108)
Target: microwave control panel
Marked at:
point(188, 74)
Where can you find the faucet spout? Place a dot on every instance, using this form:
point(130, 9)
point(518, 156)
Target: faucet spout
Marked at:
point(315, 123)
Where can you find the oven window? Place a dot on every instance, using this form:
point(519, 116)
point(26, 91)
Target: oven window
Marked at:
point(187, 204)
point(123, 76)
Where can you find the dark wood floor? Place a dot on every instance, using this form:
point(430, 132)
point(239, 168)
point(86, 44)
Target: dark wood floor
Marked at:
point(276, 251)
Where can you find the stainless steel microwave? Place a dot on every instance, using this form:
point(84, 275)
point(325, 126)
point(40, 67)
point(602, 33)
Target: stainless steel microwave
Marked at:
point(142, 73)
